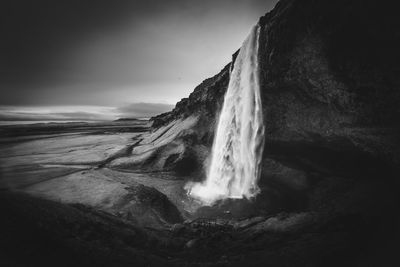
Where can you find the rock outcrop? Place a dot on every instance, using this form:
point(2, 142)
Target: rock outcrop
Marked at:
point(328, 71)
point(147, 207)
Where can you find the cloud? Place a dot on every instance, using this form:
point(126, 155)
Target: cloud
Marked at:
point(143, 110)
point(81, 113)
point(55, 113)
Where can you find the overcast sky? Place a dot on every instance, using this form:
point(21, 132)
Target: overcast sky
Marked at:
point(103, 53)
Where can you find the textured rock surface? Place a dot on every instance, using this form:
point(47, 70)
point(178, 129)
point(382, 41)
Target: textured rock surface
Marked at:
point(329, 76)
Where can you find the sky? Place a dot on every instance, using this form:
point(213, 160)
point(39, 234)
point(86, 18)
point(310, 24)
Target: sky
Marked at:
point(104, 59)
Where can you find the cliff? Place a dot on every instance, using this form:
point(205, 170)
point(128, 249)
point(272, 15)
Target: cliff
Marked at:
point(330, 87)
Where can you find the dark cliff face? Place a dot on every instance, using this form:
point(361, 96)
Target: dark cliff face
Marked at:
point(330, 80)
point(330, 85)
point(329, 73)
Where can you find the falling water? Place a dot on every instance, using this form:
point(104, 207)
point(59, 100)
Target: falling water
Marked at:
point(239, 138)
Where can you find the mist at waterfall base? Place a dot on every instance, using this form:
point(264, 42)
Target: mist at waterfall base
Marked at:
point(239, 138)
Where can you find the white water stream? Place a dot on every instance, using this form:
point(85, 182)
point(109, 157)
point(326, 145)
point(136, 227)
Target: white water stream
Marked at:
point(239, 138)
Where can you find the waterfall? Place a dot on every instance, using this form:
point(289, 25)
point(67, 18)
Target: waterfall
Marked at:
point(239, 137)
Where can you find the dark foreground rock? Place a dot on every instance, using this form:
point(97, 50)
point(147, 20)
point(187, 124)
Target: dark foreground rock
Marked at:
point(37, 232)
